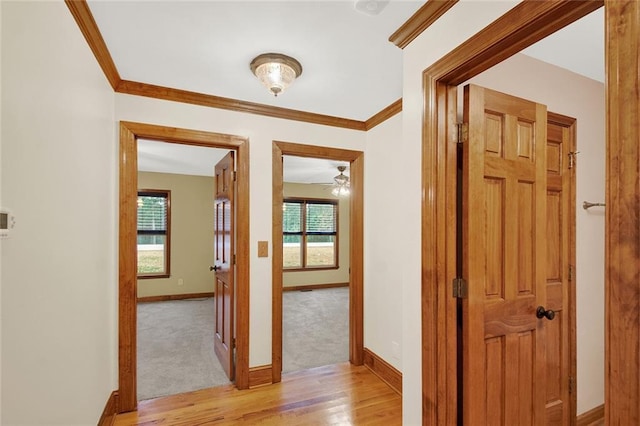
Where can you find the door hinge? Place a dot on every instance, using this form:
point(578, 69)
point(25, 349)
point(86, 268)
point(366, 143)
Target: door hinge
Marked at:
point(234, 259)
point(572, 384)
point(463, 133)
point(570, 273)
point(459, 286)
point(235, 174)
point(233, 343)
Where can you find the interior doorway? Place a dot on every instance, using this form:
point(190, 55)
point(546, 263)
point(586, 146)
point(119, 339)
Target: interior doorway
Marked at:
point(130, 133)
point(176, 343)
point(315, 329)
point(355, 161)
point(440, 82)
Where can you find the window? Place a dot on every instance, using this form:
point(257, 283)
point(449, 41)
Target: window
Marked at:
point(310, 234)
point(154, 224)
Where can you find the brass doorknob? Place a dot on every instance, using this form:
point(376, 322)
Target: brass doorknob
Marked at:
point(541, 312)
point(214, 268)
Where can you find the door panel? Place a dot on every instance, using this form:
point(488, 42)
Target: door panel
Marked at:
point(560, 226)
point(504, 259)
point(224, 233)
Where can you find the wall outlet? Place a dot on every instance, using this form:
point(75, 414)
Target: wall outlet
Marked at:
point(180, 281)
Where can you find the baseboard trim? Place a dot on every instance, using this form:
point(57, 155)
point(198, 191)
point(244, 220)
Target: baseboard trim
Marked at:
point(108, 416)
point(381, 368)
point(174, 297)
point(260, 376)
point(314, 286)
point(593, 415)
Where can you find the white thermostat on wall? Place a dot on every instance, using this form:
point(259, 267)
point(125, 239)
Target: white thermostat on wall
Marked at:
point(7, 222)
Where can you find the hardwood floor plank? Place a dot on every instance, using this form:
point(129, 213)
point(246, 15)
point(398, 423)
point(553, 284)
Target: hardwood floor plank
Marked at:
point(335, 394)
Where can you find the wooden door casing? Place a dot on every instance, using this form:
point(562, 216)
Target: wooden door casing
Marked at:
point(224, 235)
point(504, 256)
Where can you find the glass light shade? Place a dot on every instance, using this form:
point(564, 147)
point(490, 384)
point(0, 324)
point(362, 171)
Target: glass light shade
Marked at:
point(276, 71)
point(341, 191)
point(341, 185)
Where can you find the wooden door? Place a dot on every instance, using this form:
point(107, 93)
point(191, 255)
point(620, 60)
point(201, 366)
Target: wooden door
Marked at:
point(504, 259)
point(560, 409)
point(224, 249)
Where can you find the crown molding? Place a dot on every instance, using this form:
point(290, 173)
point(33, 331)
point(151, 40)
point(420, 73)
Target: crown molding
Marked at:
point(86, 23)
point(384, 115)
point(420, 21)
point(84, 18)
point(178, 95)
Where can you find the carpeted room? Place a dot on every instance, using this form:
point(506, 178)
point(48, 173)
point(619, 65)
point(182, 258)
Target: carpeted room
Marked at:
point(175, 337)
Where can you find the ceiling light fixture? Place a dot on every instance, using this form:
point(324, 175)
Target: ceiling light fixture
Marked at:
point(275, 71)
point(341, 183)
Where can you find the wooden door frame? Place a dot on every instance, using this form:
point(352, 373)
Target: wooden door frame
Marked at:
point(356, 245)
point(522, 26)
point(127, 284)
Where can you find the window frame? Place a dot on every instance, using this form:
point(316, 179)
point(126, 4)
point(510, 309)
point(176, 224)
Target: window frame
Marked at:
point(303, 234)
point(166, 273)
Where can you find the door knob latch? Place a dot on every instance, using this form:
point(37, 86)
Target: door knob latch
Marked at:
point(541, 312)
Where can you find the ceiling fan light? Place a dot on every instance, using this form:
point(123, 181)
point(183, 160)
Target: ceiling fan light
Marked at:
point(342, 184)
point(276, 71)
point(341, 191)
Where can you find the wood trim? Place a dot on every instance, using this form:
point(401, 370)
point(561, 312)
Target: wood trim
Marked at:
point(127, 283)
point(356, 316)
point(168, 297)
point(184, 96)
point(260, 376)
point(384, 115)
point(420, 21)
point(129, 133)
point(381, 368)
point(570, 124)
point(622, 222)
point(108, 416)
point(525, 24)
point(84, 18)
point(314, 286)
point(596, 414)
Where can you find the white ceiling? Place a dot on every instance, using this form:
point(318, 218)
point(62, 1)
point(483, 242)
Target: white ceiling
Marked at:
point(350, 69)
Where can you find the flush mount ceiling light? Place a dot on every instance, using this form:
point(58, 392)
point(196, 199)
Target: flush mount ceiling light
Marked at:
point(275, 71)
point(341, 183)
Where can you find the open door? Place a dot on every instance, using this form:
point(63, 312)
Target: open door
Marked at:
point(504, 259)
point(224, 253)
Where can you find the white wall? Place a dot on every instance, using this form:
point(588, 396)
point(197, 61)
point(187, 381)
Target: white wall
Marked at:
point(385, 209)
point(58, 176)
point(582, 98)
point(261, 131)
point(458, 24)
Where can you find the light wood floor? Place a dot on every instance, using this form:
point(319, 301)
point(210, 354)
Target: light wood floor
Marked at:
point(337, 394)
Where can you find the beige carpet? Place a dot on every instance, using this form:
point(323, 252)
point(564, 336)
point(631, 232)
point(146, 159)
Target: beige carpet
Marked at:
point(175, 340)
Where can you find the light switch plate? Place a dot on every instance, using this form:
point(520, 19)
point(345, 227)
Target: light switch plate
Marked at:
point(263, 249)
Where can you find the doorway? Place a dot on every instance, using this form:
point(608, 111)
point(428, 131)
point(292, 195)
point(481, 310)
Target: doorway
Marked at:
point(176, 344)
point(315, 330)
point(127, 312)
point(524, 26)
point(355, 160)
